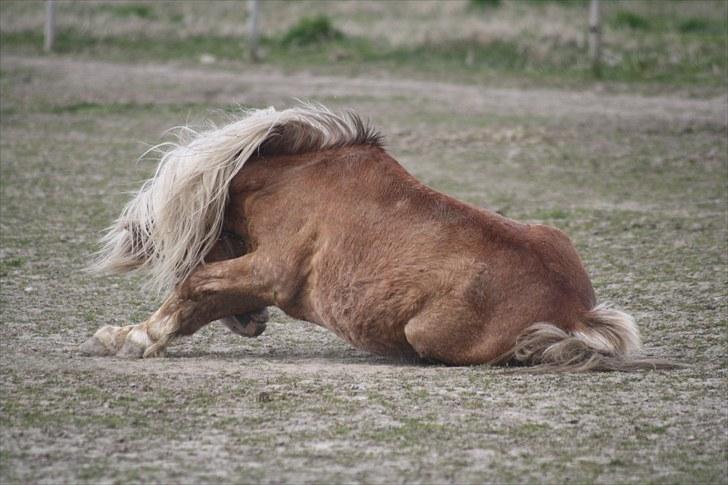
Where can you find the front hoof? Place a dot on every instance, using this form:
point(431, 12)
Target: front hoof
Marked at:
point(134, 345)
point(93, 347)
point(106, 341)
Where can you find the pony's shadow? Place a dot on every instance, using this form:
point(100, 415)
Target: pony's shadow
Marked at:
point(300, 356)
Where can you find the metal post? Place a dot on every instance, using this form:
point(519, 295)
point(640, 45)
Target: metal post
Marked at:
point(595, 38)
point(50, 26)
point(253, 14)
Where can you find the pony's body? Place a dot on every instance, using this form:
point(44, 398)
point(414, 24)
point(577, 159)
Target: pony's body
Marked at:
point(339, 234)
point(373, 255)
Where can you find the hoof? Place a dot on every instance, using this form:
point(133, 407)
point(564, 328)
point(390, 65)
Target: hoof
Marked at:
point(154, 353)
point(94, 347)
point(134, 345)
point(157, 349)
point(106, 341)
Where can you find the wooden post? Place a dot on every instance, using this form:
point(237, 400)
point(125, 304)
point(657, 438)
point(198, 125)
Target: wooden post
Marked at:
point(253, 14)
point(50, 26)
point(595, 38)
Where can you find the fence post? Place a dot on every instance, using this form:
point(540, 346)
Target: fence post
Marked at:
point(595, 38)
point(50, 26)
point(253, 14)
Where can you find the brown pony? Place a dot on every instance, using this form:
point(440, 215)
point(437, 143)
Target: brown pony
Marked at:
point(304, 210)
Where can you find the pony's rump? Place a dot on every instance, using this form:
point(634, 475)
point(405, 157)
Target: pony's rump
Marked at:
point(177, 216)
point(608, 341)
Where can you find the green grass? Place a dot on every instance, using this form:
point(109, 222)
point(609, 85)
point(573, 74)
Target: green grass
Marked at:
point(311, 30)
point(9, 264)
point(631, 20)
point(128, 10)
point(658, 49)
point(471, 59)
point(695, 25)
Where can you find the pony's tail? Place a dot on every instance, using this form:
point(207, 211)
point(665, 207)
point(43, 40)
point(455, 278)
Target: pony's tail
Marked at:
point(608, 341)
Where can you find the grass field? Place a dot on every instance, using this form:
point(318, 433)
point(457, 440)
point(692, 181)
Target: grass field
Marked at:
point(634, 167)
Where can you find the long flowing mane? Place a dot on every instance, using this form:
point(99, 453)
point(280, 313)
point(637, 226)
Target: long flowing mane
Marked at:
point(177, 215)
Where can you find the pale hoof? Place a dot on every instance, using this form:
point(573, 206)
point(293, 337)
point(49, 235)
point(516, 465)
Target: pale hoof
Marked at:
point(94, 347)
point(105, 341)
point(157, 349)
point(134, 345)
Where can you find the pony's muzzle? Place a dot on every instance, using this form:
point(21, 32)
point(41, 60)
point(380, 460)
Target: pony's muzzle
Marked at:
point(249, 324)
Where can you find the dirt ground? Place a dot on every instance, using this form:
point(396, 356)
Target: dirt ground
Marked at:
point(639, 183)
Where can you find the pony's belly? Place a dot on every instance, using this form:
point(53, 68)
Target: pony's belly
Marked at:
point(382, 337)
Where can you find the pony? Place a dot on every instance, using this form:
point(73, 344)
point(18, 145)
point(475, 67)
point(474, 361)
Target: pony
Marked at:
point(304, 209)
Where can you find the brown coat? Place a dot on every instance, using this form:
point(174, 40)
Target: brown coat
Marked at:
point(304, 210)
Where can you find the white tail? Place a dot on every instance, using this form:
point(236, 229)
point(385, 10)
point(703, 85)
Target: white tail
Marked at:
point(169, 227)
point(610, 342)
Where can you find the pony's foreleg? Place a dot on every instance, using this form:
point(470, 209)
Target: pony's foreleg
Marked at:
point(231, 246)
point(213, 291)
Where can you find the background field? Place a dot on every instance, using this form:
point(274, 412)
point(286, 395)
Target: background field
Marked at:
point(495, 106)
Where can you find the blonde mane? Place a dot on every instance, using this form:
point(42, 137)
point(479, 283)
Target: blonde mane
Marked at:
point(176, 217)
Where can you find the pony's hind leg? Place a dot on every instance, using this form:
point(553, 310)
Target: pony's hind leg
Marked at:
point(213, 291)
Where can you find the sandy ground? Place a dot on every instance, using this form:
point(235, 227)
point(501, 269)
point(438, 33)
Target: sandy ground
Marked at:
point(638, 182)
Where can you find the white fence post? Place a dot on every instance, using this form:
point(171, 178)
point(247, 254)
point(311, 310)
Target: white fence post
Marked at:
point(253, 14)
point(595, 37)
point(50, 26)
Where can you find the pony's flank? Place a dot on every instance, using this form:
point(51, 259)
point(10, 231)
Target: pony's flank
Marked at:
point(176, 217)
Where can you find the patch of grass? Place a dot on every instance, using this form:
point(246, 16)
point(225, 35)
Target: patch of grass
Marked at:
point(531, 429)
point(93, 472)
point(124, 48)
point(654, 429)
point(551, 214)
point(631, 20)
point(410, 430)
point(9, 264)
point(567, 3)
point(311, 30)
point(483, 4)
point(141, 11)
point(86, 107)
point(694, 24)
